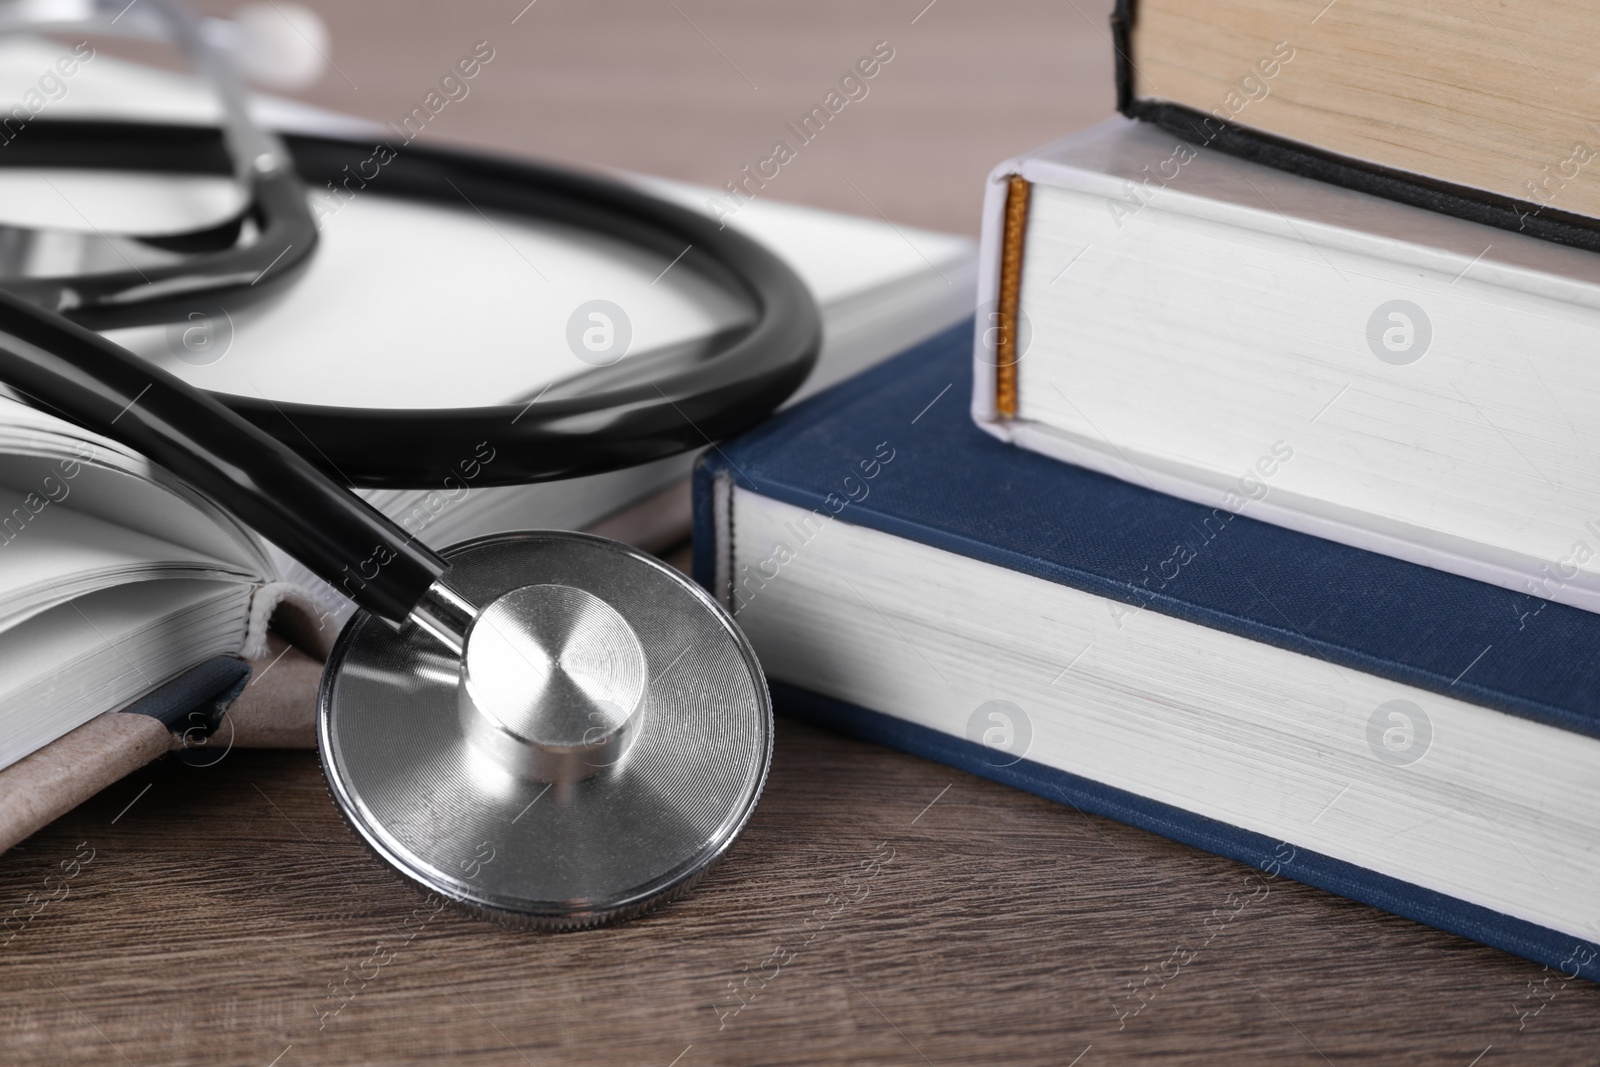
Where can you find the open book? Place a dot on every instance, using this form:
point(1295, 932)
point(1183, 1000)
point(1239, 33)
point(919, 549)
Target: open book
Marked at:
point(115, 578)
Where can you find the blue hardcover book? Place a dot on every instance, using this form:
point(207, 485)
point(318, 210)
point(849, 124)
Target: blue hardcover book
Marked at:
point(1408, 738)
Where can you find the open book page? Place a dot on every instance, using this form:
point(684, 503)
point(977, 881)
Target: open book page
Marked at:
point(105, 649)
point(51, 553)
point(93, 475)
point(400, 290)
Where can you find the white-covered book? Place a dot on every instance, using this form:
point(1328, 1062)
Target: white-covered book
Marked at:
point(1180, 317)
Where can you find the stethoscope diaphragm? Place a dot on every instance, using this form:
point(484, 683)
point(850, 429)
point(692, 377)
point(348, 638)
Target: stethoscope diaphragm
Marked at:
point(597, 744)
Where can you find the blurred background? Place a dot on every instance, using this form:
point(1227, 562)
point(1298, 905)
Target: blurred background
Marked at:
point(697, 89)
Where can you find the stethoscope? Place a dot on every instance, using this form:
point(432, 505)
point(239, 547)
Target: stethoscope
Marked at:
point(546, 728)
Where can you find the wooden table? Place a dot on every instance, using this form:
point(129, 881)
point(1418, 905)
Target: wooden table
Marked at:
point(223, 903)
point(229, 917)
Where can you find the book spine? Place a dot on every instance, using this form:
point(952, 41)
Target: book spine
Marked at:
point(1003, 324)
point(703, 560)
point(997, 206)
point(1122, 17)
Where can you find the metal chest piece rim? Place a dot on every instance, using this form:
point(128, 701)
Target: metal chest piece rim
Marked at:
point(599, 743)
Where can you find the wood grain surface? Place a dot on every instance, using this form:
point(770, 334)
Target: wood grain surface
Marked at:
point(227, 915)
point(222, 903)
point(697, 89)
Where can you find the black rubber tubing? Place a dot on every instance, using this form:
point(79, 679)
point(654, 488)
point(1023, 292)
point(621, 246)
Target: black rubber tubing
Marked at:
point(631, 421)
point(70, 371)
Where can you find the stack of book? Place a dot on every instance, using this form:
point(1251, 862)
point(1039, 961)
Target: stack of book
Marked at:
point(1260, 504)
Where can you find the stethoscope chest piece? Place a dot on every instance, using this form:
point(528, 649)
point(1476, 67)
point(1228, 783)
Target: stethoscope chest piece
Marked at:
point(596, 744)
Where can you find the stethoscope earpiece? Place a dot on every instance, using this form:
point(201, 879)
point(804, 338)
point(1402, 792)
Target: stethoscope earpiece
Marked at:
point(567, 767)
